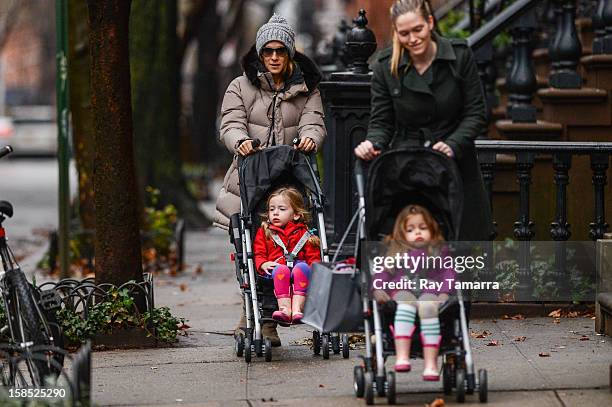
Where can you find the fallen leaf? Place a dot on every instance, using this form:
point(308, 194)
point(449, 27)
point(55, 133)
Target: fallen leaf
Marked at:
point(556, 313)
point(518, 317)
point(572, 314)
point(183, 287)
point(520, 339)
point(199, 269)
point(556, 321)
point(436, 403)
point(544, 354)
point(481, 335)
point(321, 385)
point(493, 343)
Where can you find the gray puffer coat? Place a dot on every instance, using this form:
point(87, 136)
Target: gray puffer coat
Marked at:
point(252, 109)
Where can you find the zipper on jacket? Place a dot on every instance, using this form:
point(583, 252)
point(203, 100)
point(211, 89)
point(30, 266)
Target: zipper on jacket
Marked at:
point(271, 129)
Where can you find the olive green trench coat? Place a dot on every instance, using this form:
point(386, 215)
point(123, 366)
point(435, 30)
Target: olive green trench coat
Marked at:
point(445, 103)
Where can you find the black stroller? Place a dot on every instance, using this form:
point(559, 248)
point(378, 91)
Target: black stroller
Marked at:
point(259, 174)
point(395, 179)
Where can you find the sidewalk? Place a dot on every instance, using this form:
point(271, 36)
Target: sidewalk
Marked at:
point(202, 369)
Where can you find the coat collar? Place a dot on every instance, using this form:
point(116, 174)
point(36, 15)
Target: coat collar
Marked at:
point(289, 228)
point(412, 80)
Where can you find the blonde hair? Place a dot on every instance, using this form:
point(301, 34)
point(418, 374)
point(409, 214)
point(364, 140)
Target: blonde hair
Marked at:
point(401, 7)
point(296, 200)
point(397, 239)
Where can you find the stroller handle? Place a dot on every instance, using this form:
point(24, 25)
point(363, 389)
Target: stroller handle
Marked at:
point(359, 164)
point(5, 150)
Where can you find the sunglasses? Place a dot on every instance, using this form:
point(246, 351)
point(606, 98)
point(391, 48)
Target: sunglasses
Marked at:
point(268, 52)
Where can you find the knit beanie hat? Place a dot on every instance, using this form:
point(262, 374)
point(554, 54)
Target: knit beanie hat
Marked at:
point(277, 29)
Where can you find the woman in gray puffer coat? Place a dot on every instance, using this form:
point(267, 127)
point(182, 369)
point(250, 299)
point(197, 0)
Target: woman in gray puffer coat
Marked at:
point(274, 101)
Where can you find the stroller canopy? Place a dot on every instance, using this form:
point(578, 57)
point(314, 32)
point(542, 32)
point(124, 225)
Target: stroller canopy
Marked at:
point(271, 168)
point(413, 176)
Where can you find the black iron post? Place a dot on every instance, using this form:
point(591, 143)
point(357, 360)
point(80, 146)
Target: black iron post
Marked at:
point(523, 228)
point(346, 96)
point(607, 21)
point(599, 166)
point(566, 49)
point(560, 229)
point(598, 26)
point(487, 161)
point(521, 80)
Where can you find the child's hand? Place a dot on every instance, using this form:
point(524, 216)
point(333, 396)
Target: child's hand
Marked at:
point(268, 266)
point(381, 296)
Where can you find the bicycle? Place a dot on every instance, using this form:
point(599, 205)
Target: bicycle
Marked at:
point(33, 337)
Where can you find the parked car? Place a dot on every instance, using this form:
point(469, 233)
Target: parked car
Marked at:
point(31, 130)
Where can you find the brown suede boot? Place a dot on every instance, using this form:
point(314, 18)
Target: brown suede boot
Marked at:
point(241, 327)
point(268, 330)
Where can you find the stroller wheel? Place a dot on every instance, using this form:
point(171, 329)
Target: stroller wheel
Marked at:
point(247, 350)
point(316, 342)
point(460, 379)
point(258, 347)
point(345, 346)
point(380, 384)
point(482, 386)
point(368, 388)
point(239, 345)
point(391, 396)
point(358, 381)
point(335, 339)
point(447, 378)
point(268, 349)
point(325, 345)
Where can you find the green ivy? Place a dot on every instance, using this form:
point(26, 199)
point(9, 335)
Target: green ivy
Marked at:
point(166, 325)
point(118, 311)
point(159, 222)
point(543, 274)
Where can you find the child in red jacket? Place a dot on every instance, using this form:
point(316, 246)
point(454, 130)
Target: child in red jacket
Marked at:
point(283, 249)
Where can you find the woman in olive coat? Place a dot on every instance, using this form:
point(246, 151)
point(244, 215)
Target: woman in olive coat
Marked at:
point(426, 92)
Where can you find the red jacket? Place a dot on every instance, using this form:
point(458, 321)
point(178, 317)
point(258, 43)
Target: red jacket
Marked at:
point(266, 250)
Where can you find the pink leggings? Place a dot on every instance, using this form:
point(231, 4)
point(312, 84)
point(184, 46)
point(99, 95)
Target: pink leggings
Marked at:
point(282, 280)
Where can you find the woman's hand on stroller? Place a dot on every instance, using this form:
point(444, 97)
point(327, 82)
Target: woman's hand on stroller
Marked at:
point(247, 147)
point(305, 144)
point(366, 151)
point(444, 149)
point(381, 296)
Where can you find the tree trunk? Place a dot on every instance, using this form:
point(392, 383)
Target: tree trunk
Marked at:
point(205, 85)
point(80, 108)
point(117, 243)
point(155, 81)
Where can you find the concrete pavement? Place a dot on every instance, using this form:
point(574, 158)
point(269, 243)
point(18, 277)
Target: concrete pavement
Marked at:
point(201, 370)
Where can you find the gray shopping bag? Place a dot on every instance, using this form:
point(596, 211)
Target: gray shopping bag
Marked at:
point(334, 302)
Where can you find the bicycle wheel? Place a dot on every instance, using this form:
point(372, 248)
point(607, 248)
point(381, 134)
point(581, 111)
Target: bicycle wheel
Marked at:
point(27, 326)
point(51, 329)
